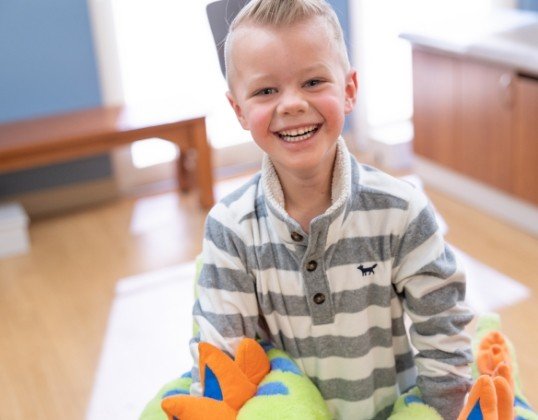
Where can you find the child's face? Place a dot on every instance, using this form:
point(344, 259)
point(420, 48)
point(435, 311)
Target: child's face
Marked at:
point(290, 88)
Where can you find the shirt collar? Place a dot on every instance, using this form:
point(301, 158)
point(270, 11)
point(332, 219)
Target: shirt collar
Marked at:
point(274, 197)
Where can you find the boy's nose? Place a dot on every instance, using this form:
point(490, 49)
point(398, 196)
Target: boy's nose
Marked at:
point(292, 103)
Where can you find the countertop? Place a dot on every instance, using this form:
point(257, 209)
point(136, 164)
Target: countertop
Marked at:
point(504, 36)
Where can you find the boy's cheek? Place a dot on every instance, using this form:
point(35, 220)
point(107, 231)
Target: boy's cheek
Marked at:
point(331, 103)
point(333, 109)
point(259, 120)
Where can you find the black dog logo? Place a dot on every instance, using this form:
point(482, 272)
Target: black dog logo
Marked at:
point(366, 271)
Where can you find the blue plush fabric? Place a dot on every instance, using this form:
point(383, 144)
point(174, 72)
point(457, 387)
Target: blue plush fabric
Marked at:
point(266, 346)
point(284, 365)
point(273, 388)
point(175, 392)
point(212, 387)
point(476, 412)
point(412, 399)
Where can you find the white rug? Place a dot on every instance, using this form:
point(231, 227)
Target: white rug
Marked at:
point(146, 344)
point(487, 289)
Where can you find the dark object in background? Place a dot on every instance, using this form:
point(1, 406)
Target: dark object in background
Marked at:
point(220, 14)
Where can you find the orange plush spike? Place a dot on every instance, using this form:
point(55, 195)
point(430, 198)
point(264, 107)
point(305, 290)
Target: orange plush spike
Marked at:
point(228, 384)
point(206, 352)
point(489, 358)
point(494, 337)
point(187, 407)
point(505, 398)
point(492, 351)
point(235, 386)
point(483, 393)
point(252, 360)
point(505, 371)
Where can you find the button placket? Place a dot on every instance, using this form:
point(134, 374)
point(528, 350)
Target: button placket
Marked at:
point(318, 292)
point(315, 278)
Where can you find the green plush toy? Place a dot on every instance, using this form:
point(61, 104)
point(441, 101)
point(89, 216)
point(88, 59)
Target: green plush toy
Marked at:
point(281, 391)
point(284, 393)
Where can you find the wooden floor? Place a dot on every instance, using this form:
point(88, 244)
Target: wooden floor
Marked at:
point(55, 302)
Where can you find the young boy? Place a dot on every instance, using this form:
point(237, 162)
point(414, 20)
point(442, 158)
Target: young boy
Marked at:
point(319, 254)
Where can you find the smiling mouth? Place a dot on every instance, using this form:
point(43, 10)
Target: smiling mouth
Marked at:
point(298, 134)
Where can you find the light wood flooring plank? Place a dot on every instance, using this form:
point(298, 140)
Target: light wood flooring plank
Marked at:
point(55, 302)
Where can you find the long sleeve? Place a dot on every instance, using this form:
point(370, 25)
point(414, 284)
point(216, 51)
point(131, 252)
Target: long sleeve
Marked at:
point(431, 284)
point(226, 308)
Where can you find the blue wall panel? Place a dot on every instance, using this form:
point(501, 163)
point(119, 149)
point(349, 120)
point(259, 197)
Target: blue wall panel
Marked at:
point(47, 65)
point(528, 5)
point(342, 10)
point(48, 61)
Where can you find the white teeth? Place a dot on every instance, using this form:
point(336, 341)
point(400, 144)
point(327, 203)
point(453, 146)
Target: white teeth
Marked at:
point(297, 131)
point(298, 134)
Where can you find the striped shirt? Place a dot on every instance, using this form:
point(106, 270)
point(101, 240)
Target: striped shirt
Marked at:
point(334, 298)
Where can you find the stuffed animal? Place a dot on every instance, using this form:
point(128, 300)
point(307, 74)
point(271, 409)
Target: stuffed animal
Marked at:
point(497, 392)
point(265, 383)
point(261, 383)
point(228, 384)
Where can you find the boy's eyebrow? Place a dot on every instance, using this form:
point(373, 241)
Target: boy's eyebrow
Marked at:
point(261, 78)
point(315, 67)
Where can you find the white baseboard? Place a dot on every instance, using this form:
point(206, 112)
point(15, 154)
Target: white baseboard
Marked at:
point(489, 200)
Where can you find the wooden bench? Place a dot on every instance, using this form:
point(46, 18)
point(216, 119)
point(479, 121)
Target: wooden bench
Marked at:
point(42, 141)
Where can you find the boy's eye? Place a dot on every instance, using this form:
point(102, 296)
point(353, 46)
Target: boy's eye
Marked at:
point(265, 91)
point(313, 82)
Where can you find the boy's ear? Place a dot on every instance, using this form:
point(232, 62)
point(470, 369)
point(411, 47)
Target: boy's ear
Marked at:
point(237, 109)
point(351, 89)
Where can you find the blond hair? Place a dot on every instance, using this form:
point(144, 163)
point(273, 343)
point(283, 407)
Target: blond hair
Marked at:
point(277, 13)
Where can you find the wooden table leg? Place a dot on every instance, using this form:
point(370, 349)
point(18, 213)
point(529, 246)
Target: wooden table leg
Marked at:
point(183, 180)
point(204, 167)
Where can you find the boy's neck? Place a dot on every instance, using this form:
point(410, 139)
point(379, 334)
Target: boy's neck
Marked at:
point(308, 195)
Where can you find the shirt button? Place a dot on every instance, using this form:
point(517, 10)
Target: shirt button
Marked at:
point(319, 298)
point(297, 237)
point(311, 265)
